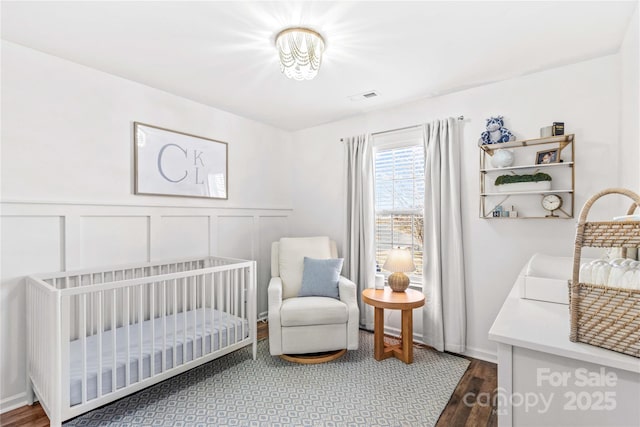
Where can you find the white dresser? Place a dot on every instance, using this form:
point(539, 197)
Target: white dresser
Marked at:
point(546, 380)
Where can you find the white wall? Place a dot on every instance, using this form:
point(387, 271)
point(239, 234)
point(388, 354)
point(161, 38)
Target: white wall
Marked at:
point(67, 199)
point(586, 96)
point(67, 136)
point(630, 105)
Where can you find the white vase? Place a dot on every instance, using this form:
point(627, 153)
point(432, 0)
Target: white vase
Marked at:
point(502, 158)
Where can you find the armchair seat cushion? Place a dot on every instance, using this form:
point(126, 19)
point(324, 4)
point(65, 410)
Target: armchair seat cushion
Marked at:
point(306, 311)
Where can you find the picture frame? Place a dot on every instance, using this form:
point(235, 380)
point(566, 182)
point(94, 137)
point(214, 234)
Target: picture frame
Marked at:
point(548, 156)
point(172, 163)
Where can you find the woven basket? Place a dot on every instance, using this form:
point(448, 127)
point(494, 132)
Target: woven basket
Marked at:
point(604, 316)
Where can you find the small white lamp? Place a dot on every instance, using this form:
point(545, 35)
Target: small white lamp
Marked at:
point(398, 262)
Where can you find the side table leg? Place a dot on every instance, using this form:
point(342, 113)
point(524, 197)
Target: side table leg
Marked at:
point(407, 336)
point(378, 334)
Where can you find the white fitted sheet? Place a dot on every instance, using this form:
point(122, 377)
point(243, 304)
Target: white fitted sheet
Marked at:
point(222, 323)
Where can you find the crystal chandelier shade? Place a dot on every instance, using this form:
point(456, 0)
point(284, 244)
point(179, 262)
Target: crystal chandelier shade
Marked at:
point(300, 52)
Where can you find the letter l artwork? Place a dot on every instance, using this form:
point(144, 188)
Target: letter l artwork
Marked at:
point(196, 158)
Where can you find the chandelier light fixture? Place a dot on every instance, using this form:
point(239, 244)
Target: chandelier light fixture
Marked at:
point(300, 52)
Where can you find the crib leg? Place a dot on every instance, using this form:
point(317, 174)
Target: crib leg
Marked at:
point(255, 348)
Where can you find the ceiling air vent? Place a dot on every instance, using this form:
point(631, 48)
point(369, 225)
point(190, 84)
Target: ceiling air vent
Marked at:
point(366, 95)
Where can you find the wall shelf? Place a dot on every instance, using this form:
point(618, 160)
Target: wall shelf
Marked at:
point(511, 168)
point(528, 203)
point(515, 193)
point(561, 140)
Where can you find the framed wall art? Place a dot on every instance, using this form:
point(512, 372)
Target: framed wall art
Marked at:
point(170, 163)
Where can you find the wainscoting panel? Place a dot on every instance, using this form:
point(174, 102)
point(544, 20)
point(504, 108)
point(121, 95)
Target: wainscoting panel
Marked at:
point(236, 237)
point(39, 237)
point(30, 244)
point(270, 229)
point(114, 240)
point(181, 237)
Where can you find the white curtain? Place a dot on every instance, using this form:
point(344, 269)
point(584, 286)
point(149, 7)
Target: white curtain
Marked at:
point(359, 251)
point(444, 315)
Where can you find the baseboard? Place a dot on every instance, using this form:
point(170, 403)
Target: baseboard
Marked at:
point(481, 354)
point(395, 332)
point(471, 352)
point(13, 402)
point(263, 316)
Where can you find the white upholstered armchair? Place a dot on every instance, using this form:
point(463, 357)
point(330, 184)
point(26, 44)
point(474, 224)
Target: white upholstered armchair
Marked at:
point(310, 324)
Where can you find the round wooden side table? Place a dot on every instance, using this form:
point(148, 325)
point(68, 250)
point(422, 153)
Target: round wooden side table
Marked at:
point(405, 301)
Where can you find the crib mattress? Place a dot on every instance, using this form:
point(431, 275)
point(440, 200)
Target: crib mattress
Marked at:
point(224, 330)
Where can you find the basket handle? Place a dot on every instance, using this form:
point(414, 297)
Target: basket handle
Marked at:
point(587, 206)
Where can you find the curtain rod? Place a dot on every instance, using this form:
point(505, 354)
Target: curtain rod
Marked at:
point(399, 129)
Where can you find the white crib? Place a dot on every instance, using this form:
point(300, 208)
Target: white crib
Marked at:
point(136, 325)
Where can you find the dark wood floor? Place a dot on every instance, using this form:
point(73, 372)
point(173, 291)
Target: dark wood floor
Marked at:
point(462, 409)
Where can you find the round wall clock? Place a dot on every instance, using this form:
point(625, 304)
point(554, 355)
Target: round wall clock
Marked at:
point(551, 202)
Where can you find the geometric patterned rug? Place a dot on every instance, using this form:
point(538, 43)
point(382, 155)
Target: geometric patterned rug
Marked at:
point(354, 390)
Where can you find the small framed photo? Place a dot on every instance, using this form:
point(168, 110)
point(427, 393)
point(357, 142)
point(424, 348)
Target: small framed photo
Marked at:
point(547, 156)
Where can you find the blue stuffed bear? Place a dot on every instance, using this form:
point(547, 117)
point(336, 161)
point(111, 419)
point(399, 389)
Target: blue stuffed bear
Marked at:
point(496, 132)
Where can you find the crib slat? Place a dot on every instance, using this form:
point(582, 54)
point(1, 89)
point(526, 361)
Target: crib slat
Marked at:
point(236, 305)
point(94, 313)
point(83, 344)
point(42, 301)
point(140, 318)
point(164, 325)
point(203, 302)
point(236, 298)
point(114, 369)
point(99, 354)
point(228, 310)
point(220, 309)
point(61, 386)
point(175, 323)
point(152, 318)
point(127, 324)
point(92, 310)
point(212, 303)
point(101, 279)
point(184, 320)
point(195, 316)
point(243, 277)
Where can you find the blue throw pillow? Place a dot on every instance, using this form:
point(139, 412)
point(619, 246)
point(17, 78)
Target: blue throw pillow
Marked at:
point(320, 277)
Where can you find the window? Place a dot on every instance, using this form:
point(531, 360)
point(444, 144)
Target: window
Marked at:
point(399, 194)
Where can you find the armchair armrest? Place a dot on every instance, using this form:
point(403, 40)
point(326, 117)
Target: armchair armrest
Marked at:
point(274, 293)
point(348, 291)
point(274, 297)
point(349, 295)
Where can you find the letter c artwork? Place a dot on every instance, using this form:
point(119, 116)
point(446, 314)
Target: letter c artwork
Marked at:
point(160, 154)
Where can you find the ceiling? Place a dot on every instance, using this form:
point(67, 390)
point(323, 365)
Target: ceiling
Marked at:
point(222, 53)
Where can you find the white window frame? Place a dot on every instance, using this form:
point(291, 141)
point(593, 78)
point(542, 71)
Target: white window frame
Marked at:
point(396, 140)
